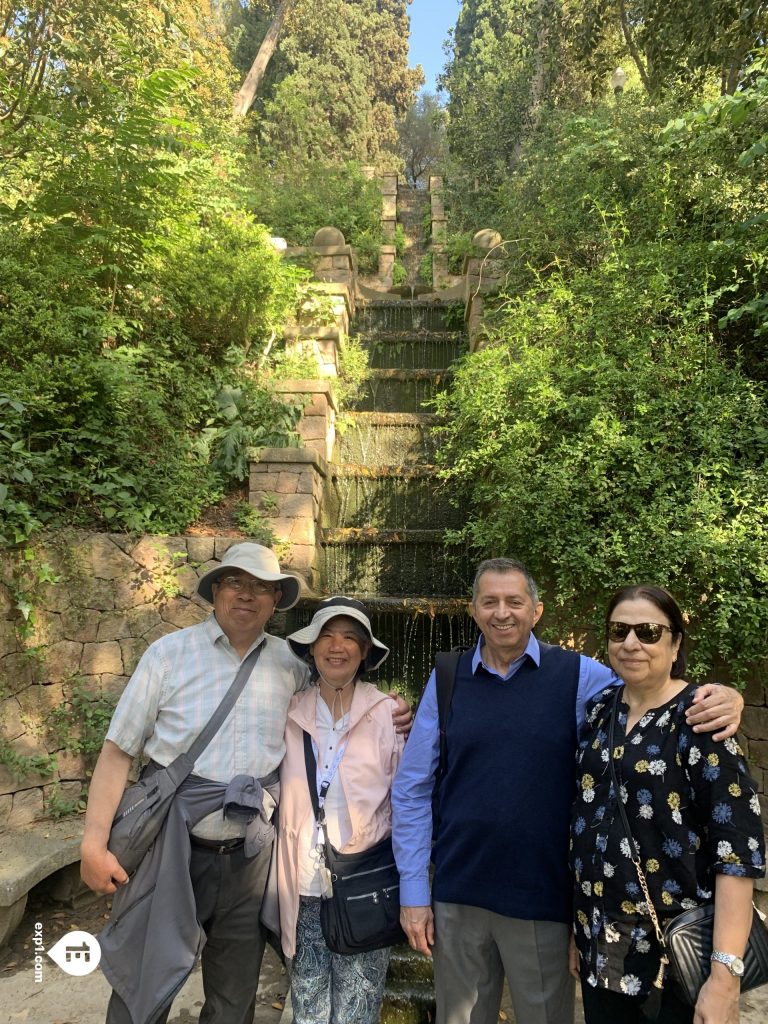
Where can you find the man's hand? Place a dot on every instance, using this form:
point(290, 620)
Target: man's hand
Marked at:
point(419, 925)
point(716, 707)
point(100, 869)
point(402, 716)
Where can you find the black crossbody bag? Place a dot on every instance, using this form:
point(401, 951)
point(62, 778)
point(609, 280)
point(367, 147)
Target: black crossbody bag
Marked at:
point(686, 941)
point(363, 910)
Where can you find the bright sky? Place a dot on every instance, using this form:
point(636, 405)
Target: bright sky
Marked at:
point(430, 22)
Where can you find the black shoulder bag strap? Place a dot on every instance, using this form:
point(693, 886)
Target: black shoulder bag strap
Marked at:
point(311, 763)
point(446, 667)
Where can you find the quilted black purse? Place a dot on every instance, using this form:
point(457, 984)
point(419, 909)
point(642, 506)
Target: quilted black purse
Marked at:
point(363, 911)
point(686, 942)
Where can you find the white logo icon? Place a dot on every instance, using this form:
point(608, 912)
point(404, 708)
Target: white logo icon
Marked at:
point(76, 953)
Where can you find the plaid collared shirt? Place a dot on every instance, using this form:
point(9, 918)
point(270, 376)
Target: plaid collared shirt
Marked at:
point(178, 684)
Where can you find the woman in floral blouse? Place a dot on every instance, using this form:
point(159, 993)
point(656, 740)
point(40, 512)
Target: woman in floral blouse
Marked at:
point(693, 811)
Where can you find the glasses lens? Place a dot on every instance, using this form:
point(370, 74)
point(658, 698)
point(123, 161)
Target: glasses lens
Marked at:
point(646, 632)
point(256, 587)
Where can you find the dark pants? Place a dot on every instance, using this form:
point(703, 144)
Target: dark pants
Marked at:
point(601, 1006)
point(228, 893)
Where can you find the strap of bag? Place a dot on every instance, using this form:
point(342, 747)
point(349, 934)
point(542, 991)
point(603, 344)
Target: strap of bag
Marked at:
point(311, 765)
point(634, 848)
point(216, 720)
point(446, 667)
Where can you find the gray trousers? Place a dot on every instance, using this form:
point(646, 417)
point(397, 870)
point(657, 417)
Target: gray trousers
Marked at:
point(228, 894)
point(475, 948)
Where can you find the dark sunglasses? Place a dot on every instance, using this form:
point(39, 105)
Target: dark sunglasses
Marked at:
point(646, 632)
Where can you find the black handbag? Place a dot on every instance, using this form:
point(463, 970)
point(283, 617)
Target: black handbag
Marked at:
point(144, 806)
point(686, 941)
point(363, 910)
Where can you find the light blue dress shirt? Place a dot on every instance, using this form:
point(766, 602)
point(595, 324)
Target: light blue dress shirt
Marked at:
point(415, 779)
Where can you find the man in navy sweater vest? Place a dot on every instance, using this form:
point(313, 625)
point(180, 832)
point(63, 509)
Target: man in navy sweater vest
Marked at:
point(501, 894)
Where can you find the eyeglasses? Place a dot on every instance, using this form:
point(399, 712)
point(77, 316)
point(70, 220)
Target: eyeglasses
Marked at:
point(646, 632)
point(258, 588)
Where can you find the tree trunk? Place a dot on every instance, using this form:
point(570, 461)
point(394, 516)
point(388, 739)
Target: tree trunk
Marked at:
point(249, 88)
point(632, 47)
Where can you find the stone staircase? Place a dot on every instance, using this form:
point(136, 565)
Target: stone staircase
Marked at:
point(412, 207)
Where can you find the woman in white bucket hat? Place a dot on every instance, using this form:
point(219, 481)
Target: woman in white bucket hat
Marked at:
point(357, 750)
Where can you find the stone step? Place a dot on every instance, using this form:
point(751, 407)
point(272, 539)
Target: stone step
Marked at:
point(431, 350)
point(393, 563)
point(396, 390)
point(403, 316)
point(395, 498)
point(388, 439)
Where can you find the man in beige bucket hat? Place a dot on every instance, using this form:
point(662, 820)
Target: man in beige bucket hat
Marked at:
point(178, 684)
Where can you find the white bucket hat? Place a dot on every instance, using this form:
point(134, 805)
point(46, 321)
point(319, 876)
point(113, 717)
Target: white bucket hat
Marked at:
point(259, 562)
point(332, 608)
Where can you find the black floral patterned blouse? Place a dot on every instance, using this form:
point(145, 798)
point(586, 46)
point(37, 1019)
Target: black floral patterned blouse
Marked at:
point(694, 812)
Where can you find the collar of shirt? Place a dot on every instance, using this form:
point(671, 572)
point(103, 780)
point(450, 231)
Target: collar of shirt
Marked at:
point(217, 635)
point(531, 651)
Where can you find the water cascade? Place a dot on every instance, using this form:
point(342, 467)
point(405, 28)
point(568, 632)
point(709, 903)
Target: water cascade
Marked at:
point(384, 515)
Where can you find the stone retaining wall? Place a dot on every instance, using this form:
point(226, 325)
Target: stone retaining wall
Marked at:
point(114, 595)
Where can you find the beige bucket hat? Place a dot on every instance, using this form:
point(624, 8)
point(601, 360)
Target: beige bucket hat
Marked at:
point(259, 562)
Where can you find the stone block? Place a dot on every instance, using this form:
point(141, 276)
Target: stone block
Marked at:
point(306, 483)
point(313, 428)
point(266, 481)
point(6, 805)
point(113, 626)
point(57, 597)
point(438, 207)
point(36, 703)
point(389, 208)
point(7, 604)
point(388, 230)
point(131, 650)
point(97, 593)
point(47, 629)
point(181, 612)
point(162, 629)
point(141, 619)
point(317, 445)
point(389, 184)
point(287, 483)
point(101, 657)
point(9, 641)
point(200, 549)
point(341, 263)
point(318, 406)
point(140, 589)
point(62, 660)
point(222, 545)
point(80, 624)
point(106, 560)
point(70, 765)
point(297, 506)
point(109, 685)
point(281, 527)
point(754, 723)
point(303, 531)
point(11, 725)
point(156, 553)
point(67, 792)
point(10, 919)
point(186, 580)
point(27, 807)
point(758, 753)
point(754, 693)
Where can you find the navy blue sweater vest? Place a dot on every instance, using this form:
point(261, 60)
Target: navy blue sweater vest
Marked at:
point(505, 799)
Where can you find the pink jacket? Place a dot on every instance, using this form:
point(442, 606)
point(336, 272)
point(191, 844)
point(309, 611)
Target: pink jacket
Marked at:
point(366, 772)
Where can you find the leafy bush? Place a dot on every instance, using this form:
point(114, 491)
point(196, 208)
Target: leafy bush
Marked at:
point(297, 201)
point(603, 439)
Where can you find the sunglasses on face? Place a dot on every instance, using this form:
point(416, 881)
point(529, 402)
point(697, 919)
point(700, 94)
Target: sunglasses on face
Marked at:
point(646, 632)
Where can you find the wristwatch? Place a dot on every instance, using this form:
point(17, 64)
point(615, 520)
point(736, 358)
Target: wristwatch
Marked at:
point(734, 963)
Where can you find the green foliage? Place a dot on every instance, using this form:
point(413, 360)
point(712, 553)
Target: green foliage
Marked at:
point(21, 766)
point(79, 725)
point(353, 371)
point(255, 523)
point(300, 198)
point(400, 241)
point(423, 141)
point(425, 267)
point(134, 283)
point(399, 273)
